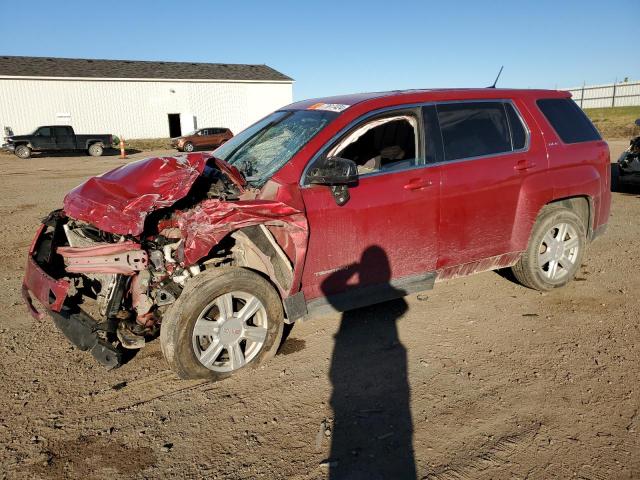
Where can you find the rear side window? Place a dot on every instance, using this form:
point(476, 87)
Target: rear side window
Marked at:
point(568, 120)
point(61, 132)
point(473, 129)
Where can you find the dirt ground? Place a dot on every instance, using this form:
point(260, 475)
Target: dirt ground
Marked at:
point(479, 378)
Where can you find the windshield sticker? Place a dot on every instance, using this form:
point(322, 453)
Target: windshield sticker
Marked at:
point(331, 107)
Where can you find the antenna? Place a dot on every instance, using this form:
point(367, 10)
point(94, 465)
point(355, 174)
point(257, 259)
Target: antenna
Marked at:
point(496, 81)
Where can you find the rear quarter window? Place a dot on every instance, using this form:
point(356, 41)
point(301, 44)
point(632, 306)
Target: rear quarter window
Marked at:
point(568, 120)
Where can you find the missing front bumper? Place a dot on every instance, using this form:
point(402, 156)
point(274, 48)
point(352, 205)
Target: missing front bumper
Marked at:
point(82, 330)
point(78, 326)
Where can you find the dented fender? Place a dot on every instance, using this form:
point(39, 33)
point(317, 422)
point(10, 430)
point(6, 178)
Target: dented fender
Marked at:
point(205, 225)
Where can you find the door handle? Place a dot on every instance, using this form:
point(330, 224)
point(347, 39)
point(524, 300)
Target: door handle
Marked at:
point(418, 183)
point(522, 165)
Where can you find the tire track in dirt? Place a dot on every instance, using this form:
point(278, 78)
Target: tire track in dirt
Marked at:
point(491, 457)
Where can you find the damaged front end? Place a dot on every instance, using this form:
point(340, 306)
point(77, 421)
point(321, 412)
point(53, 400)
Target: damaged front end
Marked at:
point(110, 264)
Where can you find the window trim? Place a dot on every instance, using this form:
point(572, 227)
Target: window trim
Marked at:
point(412, 109)
point(422, 157)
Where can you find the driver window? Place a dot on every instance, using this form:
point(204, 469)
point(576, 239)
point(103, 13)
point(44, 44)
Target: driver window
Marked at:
point(44, 132)
point(383, 144)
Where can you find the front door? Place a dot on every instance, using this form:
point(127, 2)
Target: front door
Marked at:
point(383, 241)
point(43, 139)
point(208, 138)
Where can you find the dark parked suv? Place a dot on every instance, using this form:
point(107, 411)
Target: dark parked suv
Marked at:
point(324, 204)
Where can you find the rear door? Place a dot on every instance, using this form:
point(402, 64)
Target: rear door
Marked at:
point(214, 137)
point(383, 240)
point(65, 138)
point(487, 157)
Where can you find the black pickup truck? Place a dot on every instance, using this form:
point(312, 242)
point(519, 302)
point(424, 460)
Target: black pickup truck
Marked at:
point(55, 138)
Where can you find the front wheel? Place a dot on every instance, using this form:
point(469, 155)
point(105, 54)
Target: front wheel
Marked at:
point(555, 250)
point(22, 151)
point(188, 147)
point(225, 320)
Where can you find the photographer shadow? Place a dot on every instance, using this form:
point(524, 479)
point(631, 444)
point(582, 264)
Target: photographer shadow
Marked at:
point(372, 428)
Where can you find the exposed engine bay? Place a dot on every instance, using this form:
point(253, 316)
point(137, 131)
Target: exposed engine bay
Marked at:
point(117, 259)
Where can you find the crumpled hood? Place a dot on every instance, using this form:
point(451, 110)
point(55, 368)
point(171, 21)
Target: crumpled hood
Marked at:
point(119, 201)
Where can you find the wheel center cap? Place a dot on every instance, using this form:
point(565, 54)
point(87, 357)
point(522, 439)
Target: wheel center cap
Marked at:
point(231, 330)
point(556, 250)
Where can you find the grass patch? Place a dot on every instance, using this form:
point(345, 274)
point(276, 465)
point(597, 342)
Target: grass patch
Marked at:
point(147, 144)
point(616, 122)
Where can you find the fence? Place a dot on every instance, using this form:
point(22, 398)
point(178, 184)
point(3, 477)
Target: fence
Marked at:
point(624, 94)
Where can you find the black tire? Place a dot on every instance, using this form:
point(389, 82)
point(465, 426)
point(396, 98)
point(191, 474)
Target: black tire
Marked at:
point(178, 323)
point(96, 150)
point(528, 270)
point(22, 151)
point(188, 147)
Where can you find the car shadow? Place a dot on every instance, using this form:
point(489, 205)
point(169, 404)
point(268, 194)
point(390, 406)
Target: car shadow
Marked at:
point(110, 152)
point(371, 435)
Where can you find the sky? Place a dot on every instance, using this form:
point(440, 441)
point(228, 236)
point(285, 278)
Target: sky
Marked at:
point(333, 47)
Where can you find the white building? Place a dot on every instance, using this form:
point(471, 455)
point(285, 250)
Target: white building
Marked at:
point(136, 99)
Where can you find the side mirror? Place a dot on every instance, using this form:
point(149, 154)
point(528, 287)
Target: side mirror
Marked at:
point(337, 173)
point(638, 122)
point(334, 171)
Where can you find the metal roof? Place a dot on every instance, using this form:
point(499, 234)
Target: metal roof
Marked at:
point(134, 69)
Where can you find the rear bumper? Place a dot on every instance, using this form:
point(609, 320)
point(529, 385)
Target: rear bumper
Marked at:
point(79, 327)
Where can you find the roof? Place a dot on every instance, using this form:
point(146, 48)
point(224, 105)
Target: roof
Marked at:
point(132, 69)
point(427, 95)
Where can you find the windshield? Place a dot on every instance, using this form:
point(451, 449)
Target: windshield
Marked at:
point(263, 148)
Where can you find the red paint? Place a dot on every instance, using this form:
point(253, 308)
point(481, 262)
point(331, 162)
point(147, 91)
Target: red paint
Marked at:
point(50, 292)
point(120, 200)
point(455, 218)
point(210, 221)
point(232, 172)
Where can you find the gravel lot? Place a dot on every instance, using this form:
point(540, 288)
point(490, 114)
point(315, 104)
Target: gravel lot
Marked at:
point(479, 378)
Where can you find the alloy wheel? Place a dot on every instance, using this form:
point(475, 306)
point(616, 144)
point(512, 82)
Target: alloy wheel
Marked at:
point(230, 331)
point(558, 251)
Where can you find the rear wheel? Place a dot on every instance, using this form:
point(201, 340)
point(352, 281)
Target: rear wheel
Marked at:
point(96, 150)
point(188, 147)
point(226, 320)
point(555, 250)
point(22, 151)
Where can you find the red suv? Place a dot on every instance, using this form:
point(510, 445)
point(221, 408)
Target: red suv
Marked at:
point(333, 203)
